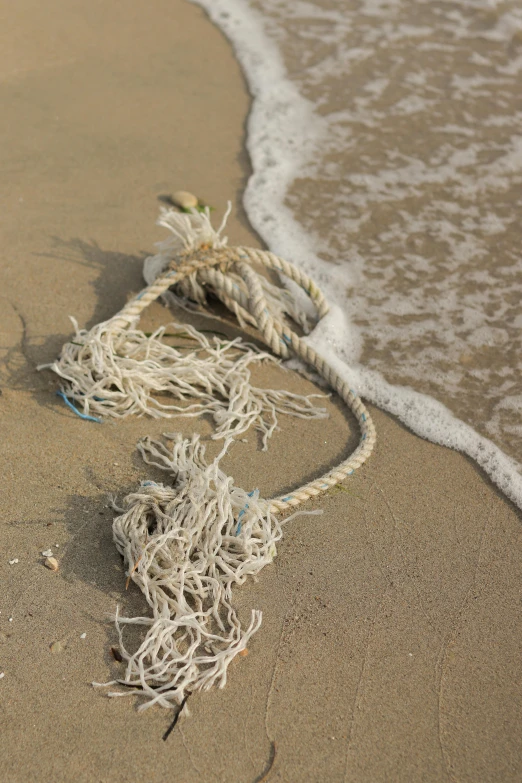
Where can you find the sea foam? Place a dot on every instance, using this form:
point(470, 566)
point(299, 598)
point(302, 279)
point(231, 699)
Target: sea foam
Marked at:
point(378, 168)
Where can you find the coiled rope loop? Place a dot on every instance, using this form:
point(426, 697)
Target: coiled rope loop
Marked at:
point(211, 269)
point(187, 543)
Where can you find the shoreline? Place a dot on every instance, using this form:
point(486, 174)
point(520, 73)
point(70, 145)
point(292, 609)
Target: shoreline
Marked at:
point(389, 647)
point(429, 416)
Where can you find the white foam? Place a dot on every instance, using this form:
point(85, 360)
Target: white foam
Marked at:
point(427, 418)
point(285, 131)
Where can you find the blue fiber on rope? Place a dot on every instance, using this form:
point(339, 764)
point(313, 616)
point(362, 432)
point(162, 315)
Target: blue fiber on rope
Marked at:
point(243, 510)
point(287, 498)
point(363, 416)
point(286, 339)
point(148, 484)
point(140, 295)
point(75, 410)
point(238, 528)
point(353, 392)
point(364, 436)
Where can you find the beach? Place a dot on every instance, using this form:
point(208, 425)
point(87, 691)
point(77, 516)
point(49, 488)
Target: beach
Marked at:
point(390, 642)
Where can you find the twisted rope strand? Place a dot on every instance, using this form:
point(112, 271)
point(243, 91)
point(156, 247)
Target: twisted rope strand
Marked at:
point(187, 543)
point(210, 268)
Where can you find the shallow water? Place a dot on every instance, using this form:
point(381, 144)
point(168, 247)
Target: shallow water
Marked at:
point(386, 141)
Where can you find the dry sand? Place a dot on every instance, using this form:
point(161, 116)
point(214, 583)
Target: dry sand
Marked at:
point(390, 645)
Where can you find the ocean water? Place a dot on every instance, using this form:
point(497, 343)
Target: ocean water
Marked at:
point(386, 145)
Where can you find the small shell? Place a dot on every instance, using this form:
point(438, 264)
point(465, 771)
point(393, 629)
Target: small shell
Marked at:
point(47, 553)
point(184, 199)
point(57, 647)
point(51, 563)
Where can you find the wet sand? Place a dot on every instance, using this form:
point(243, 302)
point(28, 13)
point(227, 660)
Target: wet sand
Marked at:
point(390, 644)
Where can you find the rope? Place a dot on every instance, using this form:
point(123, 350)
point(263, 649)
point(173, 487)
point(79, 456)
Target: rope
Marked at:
point(186, 544)
point(209, 267)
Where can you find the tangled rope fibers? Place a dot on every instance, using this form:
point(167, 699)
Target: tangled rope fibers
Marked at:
point(186, 543)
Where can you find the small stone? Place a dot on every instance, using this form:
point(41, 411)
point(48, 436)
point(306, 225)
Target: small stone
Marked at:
point(184, 199)
point(51, 563)
point(57, 647)
point(83, 635)
point(47, 553)
point(116, 654)
point(243, 653)
point(2, 675)
point(13, 561)
point(10, 619)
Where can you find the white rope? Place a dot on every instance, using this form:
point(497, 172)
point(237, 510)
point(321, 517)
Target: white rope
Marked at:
point(186, 544)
